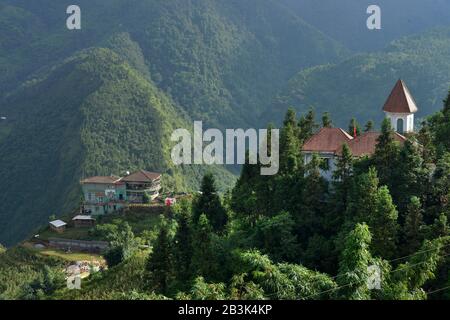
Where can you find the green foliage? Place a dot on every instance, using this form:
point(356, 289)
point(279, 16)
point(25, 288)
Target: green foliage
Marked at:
point(369, 126)
point(20, 267)
point(205, 291)
point(410, 176)
point(326, 120)
point(160, 264)
point(307, 125)
point(354, 128)
point(209, 204)
point(283, 281)
point(289, 144)
point(275, 236)
point(358, 86)
point(114, 283)
point(383, 225)
point(122, 245)
point(353, 265)
point(362, 197)
point(44, 285)
point(386, 153)
point(342, 183)
point(312, 200)
point(182, 246)
point(204, 257)
point(413, 229)
point(440, 126)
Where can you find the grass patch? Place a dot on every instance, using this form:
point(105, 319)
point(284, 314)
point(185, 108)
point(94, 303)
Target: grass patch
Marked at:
point(69, 233)
point(139, 221)
point(73, 256)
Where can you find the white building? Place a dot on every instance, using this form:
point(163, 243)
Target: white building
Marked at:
point(400, 108)
point(327, 143)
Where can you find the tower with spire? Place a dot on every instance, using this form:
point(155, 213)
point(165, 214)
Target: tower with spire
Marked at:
point(400, 108)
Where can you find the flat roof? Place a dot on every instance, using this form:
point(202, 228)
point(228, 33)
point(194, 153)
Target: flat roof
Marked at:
point(101, 180)
point(58, 223)
point(82, 217)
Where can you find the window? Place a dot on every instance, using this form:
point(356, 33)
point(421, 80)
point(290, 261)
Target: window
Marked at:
point(400, 125)
point(326, 164)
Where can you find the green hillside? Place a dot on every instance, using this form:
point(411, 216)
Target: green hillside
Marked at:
point(359, 86)
point(106, 98)
point(92, 114)
point(345, 20)
point(219, 60)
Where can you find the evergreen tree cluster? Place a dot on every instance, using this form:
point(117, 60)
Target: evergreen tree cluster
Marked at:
point(264, 238)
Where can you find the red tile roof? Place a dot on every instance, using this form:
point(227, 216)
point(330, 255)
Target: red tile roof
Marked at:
point(327, 140)
point(141, 176)
point(366, 143)
point(400, 100)
point(101, 180)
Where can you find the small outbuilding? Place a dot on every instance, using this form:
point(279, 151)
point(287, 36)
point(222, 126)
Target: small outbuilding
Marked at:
point(83, 221)
point(58, 226)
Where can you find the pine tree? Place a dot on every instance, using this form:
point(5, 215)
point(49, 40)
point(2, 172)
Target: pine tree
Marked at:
point(159, 265)
point(386, 154)
point(409, 176)
point(244, 196)
point(312, 202)
point(182, 246)
point(383, 225)
point(446, 110)
point(440, 227)
point(440, 128)
point(326, 120)
point(369, 126)
point(204, 262)
point(344, 166)
point(276, 236)
point(290, 119)
point(307, 126)
point(413, 229)
point(353, 265)
point(362, 199)
point(425, 139)
point(342, 183)
point(209, 203)
point(289, 144)
point(438, 199)
point(354, 127)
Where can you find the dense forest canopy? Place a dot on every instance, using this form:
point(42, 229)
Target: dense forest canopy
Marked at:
point(230, 64)
point(105, 99)
point(290, 236)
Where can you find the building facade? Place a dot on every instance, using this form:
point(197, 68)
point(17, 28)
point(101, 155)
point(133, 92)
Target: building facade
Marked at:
point(400, 108)
point(107, 194)
point(142, 186)
point(103, 195)
point(328, 142)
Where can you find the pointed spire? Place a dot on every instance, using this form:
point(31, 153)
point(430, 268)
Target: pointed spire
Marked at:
point(400, 100)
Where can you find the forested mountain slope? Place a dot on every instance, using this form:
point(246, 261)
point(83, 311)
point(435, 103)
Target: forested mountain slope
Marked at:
point(93, 114)
point(345, 20)
point(359, 86)
point(220, 60)
point(107, 97)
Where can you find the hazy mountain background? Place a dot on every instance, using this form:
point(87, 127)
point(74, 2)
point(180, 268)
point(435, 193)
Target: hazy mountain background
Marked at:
point(105, 99)
point(345, 20)
point(359, 86)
